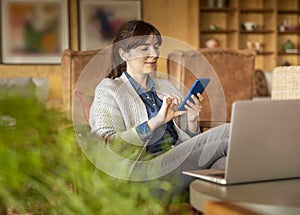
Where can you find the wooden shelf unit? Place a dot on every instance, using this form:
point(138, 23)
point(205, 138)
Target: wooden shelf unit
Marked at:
point(267, 14)
point(288, 10)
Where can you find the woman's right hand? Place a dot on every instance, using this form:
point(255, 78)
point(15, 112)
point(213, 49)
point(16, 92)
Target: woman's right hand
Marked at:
point(166, 112)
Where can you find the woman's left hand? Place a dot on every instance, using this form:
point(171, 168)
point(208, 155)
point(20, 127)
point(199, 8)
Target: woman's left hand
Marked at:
point(194, 109)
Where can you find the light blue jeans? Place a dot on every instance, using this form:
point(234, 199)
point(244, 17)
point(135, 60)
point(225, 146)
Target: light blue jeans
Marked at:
point(200, 152)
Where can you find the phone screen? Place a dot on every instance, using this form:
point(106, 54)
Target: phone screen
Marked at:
point(198, 87)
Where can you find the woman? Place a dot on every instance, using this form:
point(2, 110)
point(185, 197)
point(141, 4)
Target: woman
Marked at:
point(136, 115)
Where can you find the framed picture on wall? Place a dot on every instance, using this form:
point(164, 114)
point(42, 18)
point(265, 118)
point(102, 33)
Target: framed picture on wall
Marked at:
point(34, 31)
point(100, 19)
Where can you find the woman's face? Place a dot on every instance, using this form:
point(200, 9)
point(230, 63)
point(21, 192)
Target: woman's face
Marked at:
point(142, 59)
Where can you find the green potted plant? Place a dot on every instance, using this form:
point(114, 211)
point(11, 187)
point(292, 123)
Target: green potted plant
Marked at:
point(43, 170)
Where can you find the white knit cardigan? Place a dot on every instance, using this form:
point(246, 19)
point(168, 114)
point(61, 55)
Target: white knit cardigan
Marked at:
point(117, 109)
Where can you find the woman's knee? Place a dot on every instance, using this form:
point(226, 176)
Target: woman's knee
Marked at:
point(220, 132)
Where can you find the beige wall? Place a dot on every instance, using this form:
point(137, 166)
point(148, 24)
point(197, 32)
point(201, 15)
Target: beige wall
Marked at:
point(174, 18)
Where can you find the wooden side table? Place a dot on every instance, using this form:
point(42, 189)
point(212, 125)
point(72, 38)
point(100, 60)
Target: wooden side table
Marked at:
point(272, 197)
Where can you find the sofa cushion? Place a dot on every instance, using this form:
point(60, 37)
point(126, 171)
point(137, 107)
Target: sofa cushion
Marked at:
point(22, 86)
point(41, 88)
point(25, 86)
point(86, 102)
point(260, 84)
point(286, 83)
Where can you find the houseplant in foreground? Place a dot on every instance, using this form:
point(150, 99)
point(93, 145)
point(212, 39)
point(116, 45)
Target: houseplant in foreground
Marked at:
point(42, 169)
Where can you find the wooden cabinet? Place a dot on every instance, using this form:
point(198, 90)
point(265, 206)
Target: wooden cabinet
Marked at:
point(275, 21)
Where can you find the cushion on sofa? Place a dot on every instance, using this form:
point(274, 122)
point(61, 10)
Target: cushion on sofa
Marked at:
point(260, 84)
point(42, 88)
point(86, 102)
point(286, 83)
point(22, 86)
point(25, 86)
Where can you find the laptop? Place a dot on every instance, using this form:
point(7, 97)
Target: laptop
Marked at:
point(264, 143)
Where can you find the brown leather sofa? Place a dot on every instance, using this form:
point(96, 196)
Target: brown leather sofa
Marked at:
point(231, 72)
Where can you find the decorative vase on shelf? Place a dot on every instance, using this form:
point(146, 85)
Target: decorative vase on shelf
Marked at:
point(220, 3)
point(212, 43)
point(210, 3)
point(288, 45)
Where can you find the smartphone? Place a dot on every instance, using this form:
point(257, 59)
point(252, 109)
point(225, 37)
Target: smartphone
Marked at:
point(198, 87)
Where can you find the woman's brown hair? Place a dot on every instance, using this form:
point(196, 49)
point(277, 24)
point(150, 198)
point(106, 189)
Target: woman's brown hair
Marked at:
point(133, 32)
